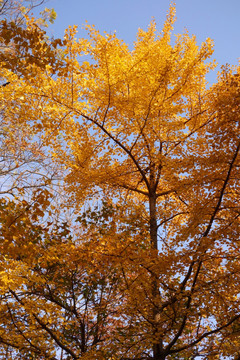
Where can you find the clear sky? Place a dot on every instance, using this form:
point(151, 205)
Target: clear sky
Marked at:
point(217, 19)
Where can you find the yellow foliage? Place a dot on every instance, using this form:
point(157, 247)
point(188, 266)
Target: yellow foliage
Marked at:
point(126, 246)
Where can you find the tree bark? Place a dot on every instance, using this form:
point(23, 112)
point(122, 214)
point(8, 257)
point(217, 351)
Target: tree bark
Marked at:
point(158, 353)
point(153, 221)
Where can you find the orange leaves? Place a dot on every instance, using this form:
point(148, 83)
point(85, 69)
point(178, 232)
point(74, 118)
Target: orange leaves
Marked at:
point(143, 163)
point(32, 52)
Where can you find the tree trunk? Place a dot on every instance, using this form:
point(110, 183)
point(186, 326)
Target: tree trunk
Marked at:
point(158, 353)
point(153, 221)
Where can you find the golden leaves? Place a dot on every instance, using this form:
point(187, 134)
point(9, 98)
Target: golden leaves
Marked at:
point(137, 139)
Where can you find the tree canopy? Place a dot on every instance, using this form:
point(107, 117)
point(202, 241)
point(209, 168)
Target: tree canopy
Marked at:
point(120, 199)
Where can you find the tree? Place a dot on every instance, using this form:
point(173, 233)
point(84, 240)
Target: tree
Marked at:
point(140, 133)
point(17, 10)
point(23, 164)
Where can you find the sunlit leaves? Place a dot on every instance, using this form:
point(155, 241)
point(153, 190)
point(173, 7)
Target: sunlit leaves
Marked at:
point(137, 257)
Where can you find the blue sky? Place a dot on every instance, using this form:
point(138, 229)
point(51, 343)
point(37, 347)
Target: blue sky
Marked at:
point(217, 19)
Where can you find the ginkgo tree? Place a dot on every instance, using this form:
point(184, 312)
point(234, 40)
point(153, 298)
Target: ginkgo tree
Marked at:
point(148, 266)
